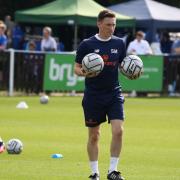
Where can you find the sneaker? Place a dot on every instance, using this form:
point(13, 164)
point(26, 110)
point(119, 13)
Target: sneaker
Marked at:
point(115, 175)
point(94, 176)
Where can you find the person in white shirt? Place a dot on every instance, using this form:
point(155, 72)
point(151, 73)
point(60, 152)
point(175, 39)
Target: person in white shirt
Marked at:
point(139, 46)
point(48, 43)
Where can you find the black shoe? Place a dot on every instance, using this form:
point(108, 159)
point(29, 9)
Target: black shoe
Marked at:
point(94, 176)
point(115, 175)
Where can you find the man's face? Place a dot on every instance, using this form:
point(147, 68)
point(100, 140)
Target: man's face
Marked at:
point(107, 26)
point(139, 37)
point(1, 30)
point(46, 33)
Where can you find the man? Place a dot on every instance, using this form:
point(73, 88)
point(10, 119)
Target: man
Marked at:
point(139, 46)
point(102, 95)
point(48, 43)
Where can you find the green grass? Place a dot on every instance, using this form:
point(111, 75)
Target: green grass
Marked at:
point(151, 140)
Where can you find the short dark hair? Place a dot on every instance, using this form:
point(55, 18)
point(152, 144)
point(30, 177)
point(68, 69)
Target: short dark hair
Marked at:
point(105, 13)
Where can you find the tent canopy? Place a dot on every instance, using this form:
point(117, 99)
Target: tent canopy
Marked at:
point(150, 14)
point(80, 12)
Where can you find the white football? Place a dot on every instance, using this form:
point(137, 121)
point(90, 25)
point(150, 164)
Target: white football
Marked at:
point(14, 146)
point(131, 66)
point(44, 99)
point(93, 62)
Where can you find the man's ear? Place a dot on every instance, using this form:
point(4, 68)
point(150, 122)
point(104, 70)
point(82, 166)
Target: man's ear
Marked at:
point(98, 24)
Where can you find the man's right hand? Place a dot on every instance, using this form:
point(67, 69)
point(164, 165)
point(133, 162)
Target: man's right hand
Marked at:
point(81, 72)
point(88, 74)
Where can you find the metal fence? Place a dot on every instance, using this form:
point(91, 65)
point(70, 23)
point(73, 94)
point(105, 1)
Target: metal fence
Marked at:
point(4, 70)
point(23, 71)
point(171, 75)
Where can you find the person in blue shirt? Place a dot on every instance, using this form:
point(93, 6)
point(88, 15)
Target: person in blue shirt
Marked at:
point(102, 94)
point(17, 37)
point(3, 38)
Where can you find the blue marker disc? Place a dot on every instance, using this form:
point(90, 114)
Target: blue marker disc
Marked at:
point(57, 156)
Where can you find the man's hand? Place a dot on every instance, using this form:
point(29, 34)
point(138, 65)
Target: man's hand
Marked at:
point(81, 72)
point(90, 74)
point(135, 76)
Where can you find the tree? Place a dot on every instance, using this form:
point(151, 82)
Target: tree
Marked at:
point(8, 7)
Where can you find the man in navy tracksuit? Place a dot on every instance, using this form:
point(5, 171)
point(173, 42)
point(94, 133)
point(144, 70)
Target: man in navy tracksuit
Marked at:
point(102, 95)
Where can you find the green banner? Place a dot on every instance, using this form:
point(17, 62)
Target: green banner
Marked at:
point(59, 73)
point(150, 80)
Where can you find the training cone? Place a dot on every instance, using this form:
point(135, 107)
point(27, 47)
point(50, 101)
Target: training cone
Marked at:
point(22, 105)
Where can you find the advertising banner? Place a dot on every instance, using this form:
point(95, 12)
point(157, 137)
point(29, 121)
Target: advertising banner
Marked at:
point(150, 80)
point(59, 73)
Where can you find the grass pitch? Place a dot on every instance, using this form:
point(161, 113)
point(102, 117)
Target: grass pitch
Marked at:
point(151, 140)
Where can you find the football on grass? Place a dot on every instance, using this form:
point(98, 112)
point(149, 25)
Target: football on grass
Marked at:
point(14, 146)
point(44, 99)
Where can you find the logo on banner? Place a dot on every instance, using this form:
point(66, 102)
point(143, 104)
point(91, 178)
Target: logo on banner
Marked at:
point(59, 72)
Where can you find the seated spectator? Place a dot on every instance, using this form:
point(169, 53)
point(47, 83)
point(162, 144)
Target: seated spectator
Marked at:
point(166, 43)
point(139, 46)
point(48, 43)
point(3, 38)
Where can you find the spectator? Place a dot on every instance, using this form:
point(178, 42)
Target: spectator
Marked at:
point(31, 45)
point(61, 46)
point(166, 43)
point(48, 43)
point(3, 38)
point(32, 68)
point(139, 45)
point(17, 37)
point(176, 46)
point(10, 25)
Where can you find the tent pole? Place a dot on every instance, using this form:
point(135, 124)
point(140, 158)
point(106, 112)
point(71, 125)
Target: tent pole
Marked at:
point(134, 31)
point(75, 36)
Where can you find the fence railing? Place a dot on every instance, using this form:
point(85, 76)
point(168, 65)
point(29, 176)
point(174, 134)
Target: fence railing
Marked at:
point(34, 72)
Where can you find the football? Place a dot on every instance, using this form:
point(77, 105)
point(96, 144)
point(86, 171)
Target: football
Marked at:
point(44, 99)
point(14, 146)
point(132, 66)
point(93, 63)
